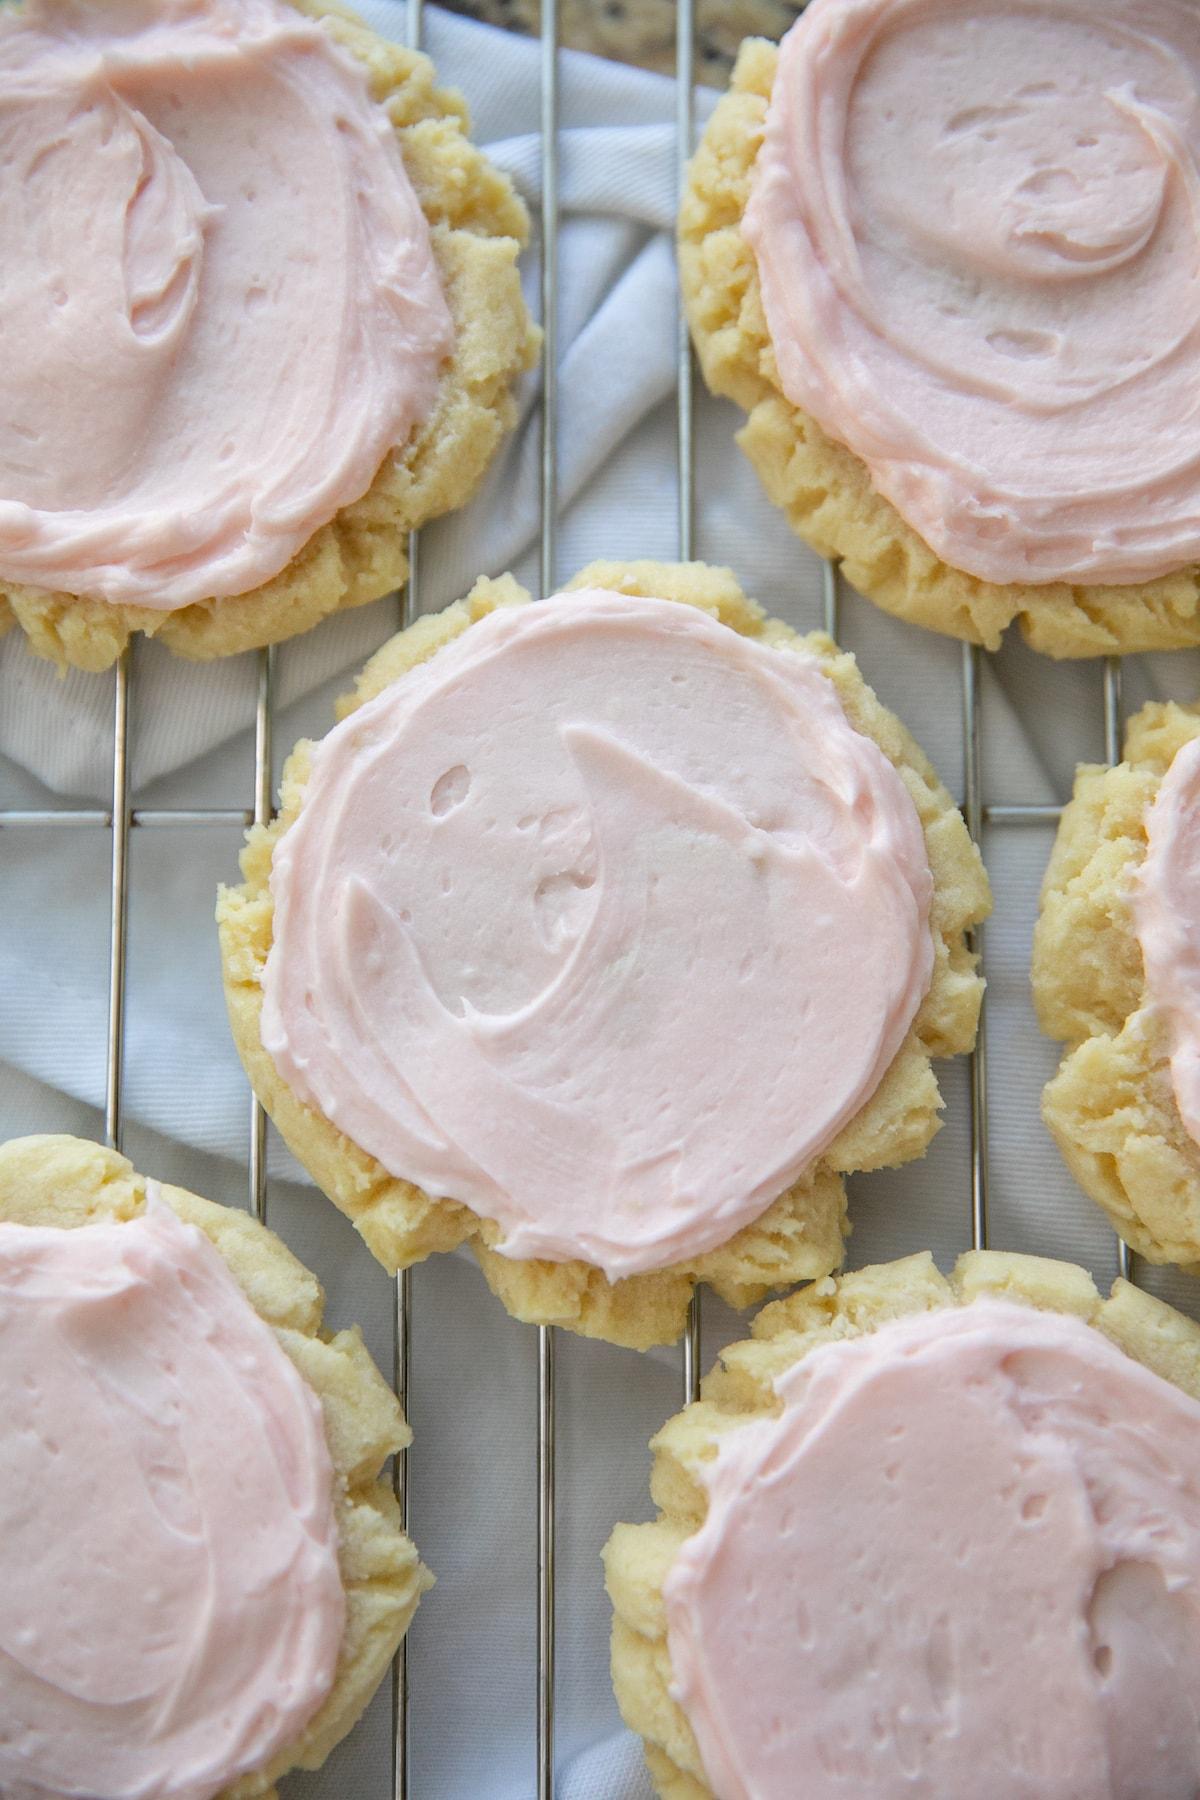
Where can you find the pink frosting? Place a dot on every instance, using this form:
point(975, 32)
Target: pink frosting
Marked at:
point(603, 921)
point(963, 1561)
point(219, 300)
point(172, 1609)
point(976, 231)
point(1167, 912)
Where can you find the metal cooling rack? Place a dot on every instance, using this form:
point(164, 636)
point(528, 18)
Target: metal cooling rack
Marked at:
point(120, 819)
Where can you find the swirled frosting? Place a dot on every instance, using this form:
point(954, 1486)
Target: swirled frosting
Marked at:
point(964, 1560)
point(219, 300)
point(976, 232)
point(603, 921)
point(1167, 915)
point(172, 1608)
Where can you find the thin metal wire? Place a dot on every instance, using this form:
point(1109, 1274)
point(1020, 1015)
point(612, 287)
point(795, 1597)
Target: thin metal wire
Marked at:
point(545, 1562)
point(685, 439)
point(40, 816)
point(685, 125)
point(831, 598)
point(402, 1375)
point(415, 23)
point(549, 222)
point(974, 814)
point(546, 1645)
point(263, 724)
point(402, 1302)
point(114, 1068)
point(402, 1298)
point(1126, 1263)
point(1022, 814)
point(1114, 723)
point(139, 817)
point(409, 607)
point(401, 1378)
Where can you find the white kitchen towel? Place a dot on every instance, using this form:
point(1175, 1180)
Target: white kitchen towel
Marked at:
point(473, 1403)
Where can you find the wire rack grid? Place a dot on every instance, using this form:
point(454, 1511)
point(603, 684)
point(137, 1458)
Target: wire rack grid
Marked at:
point(120, 819)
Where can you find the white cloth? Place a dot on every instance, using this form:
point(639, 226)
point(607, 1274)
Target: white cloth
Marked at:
point(474, 1387)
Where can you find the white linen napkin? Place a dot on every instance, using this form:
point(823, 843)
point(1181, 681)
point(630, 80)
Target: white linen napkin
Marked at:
point(473, 1404)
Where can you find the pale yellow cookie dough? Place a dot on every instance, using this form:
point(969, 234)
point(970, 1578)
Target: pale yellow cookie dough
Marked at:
point(823, 488)
point(66, 1182)
point(800, 1235)
point(1111, 1107)
point(740, 1389)
point(478, 227)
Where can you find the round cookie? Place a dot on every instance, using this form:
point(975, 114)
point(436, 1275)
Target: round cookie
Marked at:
point(837, 1661)
point(65, 1183)
point(477, 227)
point(1112, 1107)
point(826, 490)
point(799, 1233)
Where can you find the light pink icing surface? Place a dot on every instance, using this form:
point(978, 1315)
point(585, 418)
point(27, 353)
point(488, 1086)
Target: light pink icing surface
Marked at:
point(172, 1609)
point(963, 1561)
point(219, 300)
point(976, 231)
point(603, 921)
point(1167, 913)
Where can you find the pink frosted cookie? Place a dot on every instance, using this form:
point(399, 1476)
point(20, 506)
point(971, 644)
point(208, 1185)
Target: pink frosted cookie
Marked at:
point(607, 933)
point(926, 1536)
point(203, 1575)
point(261, 317)
point(943, 255)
